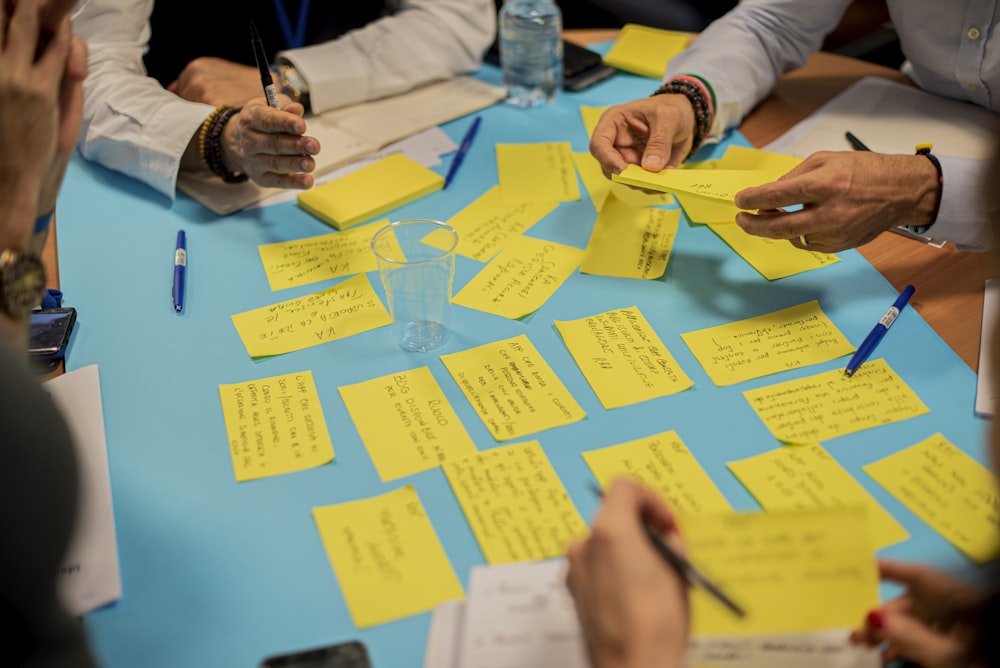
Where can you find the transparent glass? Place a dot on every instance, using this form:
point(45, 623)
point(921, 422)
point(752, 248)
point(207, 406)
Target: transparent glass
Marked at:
point(416, 262)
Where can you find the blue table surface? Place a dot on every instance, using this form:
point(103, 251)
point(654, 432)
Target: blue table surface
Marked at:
point(219, 573)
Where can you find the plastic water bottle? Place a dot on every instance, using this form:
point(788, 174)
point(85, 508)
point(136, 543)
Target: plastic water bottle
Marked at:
point(531, 53)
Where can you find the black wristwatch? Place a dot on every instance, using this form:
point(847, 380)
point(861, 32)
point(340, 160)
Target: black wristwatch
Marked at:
point(22, 283)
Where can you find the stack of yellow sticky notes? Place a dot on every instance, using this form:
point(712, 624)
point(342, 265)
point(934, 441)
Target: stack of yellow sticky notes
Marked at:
point(645, 51)
point(371, 191)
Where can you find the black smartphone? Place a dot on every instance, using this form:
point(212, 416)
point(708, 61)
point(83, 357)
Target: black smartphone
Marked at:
point(582, 67)
point(50, 331)
point(351, 654)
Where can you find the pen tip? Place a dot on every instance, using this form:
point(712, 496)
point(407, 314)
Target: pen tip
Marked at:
point(848, 372)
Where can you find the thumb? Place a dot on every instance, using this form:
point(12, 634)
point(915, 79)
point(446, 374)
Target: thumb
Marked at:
point(910, 638)
point(656, 155)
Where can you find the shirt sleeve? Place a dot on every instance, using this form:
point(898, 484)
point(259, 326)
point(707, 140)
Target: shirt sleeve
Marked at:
point(741, 66)
point(424, 41)
point(965, 216)
point(130, 123)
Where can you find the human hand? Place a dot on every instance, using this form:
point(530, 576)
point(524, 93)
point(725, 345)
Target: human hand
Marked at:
point(632, 604)
point(848, 199)
point(29, 111)
point(216, 81)
point(932, 623)
point(269, 145)
point(654, 132)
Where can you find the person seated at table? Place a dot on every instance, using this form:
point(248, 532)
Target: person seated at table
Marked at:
point(633, 606)
point(40, 101)
point(198, 57)
point(848, 197)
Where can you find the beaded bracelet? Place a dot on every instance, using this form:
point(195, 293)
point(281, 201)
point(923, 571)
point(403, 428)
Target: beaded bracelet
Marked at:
point(210, 144)
point(704, 113)
point(925, 150)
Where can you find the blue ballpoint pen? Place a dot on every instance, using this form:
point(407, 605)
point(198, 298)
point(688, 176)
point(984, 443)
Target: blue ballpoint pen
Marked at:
point(462, 150)
point(180, 264)
point(872, 340)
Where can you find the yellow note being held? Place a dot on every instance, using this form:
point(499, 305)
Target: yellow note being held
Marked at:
point(787, 339)
point(348, 308)
point(720, 184)
point(806, 476)
point(664, 464)
point(645, 51)
point(512, 388)
point(622, 358)
point(371, 191)
point(406, 423)
point(515, 503)
point(630, 242)
point(792, 571)
point(773, 258)
point(386, 557)
point(303, 261)
point(831, 404)
point(275, 425)
point(519, 280)
point(487, 224)
point(537, 172)
point(956, 495)
point(599, 186)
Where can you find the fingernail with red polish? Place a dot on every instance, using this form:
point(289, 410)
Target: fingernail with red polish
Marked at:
point(875, 619)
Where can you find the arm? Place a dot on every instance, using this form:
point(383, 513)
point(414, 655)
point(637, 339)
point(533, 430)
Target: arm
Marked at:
point(424, 41)
point(744, 53)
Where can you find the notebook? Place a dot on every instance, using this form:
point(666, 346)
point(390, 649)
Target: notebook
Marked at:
point(371, 191)
point(354, 132)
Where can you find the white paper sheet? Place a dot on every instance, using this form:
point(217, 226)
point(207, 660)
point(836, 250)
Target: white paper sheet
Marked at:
point(89, 576)
point(986, 394)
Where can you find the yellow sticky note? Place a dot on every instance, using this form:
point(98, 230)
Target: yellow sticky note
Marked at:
point(831, 404)
point(773, 258)
point(792, 571)
point(519, 280)
point(303, 261)
point(787, 339)
point(406, 423)
point(630, 242)
point(386, 556)
point(345, 309)
point(591, 116)
point(645, 51)
point(703, 210)
point(956, 495)
point(718, 184)
point(599, 187)
point(515, 503)
point(537, 172)
point(622, 358)
point(486, 225)
point(664, 464)
point(275, 425)
point(807, 476)
point(371, 191)
point(512, 388)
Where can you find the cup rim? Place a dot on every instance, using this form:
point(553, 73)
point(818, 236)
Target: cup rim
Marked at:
point(393, 225)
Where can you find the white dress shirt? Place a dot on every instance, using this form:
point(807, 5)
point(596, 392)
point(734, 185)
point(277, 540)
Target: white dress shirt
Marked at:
point(135, 126)
point(951, 49)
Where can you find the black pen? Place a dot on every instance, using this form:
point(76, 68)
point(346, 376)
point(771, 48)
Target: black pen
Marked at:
point(688, 572)
point(265, 71)
point(855, 143)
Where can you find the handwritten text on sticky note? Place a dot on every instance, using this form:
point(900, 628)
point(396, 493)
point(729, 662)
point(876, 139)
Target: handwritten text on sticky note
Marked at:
point(275, 425)
point(622, 358)
point(386, 556)
point(630, 242)
point(515, 503)
point(831, 404)
point(406, 422)
point(303, 261)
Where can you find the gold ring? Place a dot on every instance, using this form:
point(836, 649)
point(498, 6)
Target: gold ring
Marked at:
point(802, 240)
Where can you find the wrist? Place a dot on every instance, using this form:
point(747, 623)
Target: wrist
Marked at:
point(931, 167)
point(215, 137)
point(701, 103)
point(20, 198)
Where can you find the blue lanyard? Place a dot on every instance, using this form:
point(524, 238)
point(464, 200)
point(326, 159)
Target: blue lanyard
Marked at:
point(297, 39)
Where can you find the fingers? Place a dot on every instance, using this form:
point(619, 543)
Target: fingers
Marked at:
point(909, 638)
point(22, 33)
